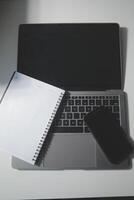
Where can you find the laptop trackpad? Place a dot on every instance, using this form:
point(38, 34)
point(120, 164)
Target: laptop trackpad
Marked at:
point(71, 151)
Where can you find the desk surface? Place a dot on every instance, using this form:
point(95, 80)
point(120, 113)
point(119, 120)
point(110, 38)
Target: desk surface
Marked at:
point(58, 184)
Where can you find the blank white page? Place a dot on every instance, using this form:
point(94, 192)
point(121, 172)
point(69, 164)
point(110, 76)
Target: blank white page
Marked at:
point(25, 110)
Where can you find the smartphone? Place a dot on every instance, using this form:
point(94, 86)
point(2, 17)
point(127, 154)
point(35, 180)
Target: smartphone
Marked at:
point(115, 143)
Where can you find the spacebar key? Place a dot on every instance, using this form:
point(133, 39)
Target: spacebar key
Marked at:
point(69, 129)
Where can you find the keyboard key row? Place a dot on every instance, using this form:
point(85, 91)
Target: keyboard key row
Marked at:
point(72, 115)
point(68, 109)
point(71, 122)
point(78, 102)
point(93, 97)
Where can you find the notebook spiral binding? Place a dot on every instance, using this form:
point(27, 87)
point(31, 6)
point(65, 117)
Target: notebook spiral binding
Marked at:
point(47, 127)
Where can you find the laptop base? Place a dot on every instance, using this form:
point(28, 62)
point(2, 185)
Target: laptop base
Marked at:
point(78, 150)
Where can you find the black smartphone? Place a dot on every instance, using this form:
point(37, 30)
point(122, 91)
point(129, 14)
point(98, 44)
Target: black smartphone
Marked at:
point(115, 143)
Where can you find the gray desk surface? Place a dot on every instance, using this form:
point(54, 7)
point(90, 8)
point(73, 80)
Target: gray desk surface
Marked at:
point(51, 184)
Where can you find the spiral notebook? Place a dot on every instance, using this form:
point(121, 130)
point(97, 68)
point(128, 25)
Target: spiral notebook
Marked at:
point(27, 110)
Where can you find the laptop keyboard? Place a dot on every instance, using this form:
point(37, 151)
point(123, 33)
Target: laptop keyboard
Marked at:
point(76, 107)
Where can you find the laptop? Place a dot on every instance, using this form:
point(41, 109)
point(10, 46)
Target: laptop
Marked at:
point(85, 60)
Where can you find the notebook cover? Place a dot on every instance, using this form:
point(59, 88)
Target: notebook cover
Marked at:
point(27, 110)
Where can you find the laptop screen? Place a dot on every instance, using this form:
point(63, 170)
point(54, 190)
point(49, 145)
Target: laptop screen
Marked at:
point(71, 56)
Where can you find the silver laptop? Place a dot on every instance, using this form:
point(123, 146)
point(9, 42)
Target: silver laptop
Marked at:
point(85, 60)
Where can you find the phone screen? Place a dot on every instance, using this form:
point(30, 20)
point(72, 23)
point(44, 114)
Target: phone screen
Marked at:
point(111, 137)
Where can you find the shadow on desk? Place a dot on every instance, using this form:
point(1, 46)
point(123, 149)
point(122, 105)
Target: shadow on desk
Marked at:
point(93, 198)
